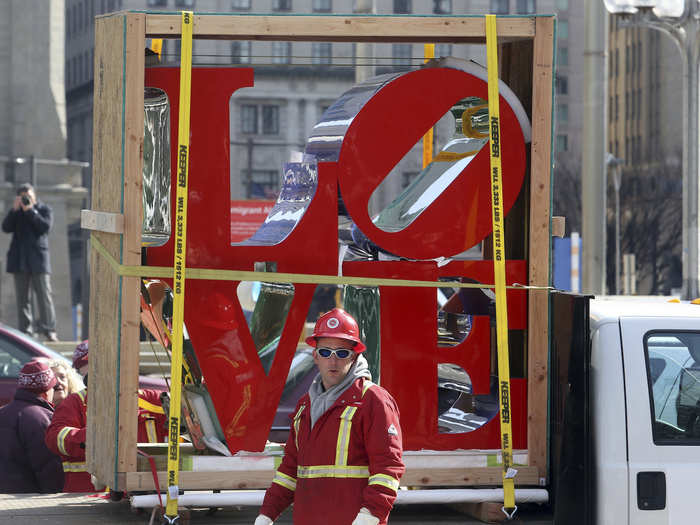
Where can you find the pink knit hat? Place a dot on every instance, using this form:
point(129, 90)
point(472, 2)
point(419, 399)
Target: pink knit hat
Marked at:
point(80, 355)
point(36, 376)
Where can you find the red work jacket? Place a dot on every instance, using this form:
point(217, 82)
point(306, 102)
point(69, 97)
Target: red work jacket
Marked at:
point(66, 434)
point(66, 437)
point(152, 427)
point(349, 460)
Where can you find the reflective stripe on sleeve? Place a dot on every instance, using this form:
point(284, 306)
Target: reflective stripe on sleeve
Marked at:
point(287, 482)
point(341, 450)
point(151, 431)
point(151, 407)
point(366, 386)
point(332, 471)
point(82, 395)
point(61, 439)
point(384, 480)
point(297, 418)
point(74, 466)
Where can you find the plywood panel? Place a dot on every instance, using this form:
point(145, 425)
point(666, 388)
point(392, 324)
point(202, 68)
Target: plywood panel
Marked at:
point(539, 262)
point(135, 26)
point(341, 28)
point(104, 283)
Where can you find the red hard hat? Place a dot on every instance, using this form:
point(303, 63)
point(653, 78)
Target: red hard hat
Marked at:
point(337, 323)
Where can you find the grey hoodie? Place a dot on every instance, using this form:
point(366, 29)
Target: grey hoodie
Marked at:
point(322, 400)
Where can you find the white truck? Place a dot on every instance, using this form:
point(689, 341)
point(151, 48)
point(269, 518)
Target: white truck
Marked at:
point(625, 414)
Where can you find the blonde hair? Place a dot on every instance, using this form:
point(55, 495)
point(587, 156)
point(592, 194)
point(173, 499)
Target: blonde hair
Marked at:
point(75, 384)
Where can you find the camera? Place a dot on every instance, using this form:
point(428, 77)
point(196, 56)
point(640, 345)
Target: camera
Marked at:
point(25, 200)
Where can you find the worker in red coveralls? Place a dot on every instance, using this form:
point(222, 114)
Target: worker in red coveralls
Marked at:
point(66, 433)
point(342, 461)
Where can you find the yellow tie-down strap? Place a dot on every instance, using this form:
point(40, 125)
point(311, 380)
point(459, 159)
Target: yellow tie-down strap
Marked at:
point(499, 269)
point(212, 274)
point(178, 270)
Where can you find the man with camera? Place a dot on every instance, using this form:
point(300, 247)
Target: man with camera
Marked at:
point(29, 222)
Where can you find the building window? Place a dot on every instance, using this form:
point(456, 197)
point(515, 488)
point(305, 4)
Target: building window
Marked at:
point(563, 56)
point(499, 7)
point(249, 118)
point(563, 112)
point(526, 7)
point(562, 84)
point(269, 115)
point(184, 3)
point(617, 109)
point(240, 52)
point(322, 6)
point(281, 52)
point(156, 3)
point(639, 102)
point(401, 54)
point(617, 61)
point(262, 184)
point(270, 120)
point(240, 5)
point(563, 5)
point(281, 5)
point(443, 50)
point(562, 143)
point(563, 30)
point(402, 7)
point(442, 7)
point(321, 53)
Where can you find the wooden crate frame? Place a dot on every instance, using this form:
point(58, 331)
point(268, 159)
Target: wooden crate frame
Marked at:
point(526, 52)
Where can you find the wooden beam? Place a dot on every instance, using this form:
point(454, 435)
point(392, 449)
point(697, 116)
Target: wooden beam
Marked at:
point(257, 479)
point(102, 410)
point(343, 28)
point(558, 226)
point(538, 271)
point(102, 221)
point(131, 248)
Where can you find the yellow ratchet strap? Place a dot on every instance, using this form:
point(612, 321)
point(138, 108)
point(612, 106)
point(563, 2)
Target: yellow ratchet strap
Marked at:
point(428, 53)
point(499, 270)
point(183, 154)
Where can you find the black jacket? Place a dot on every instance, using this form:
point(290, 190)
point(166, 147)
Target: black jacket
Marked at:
point(29, 248)
point(26, 463)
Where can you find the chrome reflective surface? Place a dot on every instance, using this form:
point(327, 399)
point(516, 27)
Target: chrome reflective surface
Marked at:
point(471, 134)
point(155, 228)
point(299, 182)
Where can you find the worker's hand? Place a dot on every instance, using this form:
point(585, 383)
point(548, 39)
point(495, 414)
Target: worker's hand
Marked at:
point(364, 517)
point(17, 204)
point(262, 520)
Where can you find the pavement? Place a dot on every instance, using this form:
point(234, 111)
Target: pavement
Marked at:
point(81, 509)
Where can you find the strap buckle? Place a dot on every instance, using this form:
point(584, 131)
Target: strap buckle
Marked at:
point(511, 514)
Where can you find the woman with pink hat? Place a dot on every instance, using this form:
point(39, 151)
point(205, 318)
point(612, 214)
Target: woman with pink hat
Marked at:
point(26, 464)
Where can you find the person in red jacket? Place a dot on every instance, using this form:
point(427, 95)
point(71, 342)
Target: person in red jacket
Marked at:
point(342, 461)
point(66, 433)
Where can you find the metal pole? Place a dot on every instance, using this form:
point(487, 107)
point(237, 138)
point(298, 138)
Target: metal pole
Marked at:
point(617, 180)
point(686, 35)
point(691, 257)
point(593, 201)
point(364, 51)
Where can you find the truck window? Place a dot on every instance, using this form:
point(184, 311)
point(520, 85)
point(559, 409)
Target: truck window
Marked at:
point(673, 374)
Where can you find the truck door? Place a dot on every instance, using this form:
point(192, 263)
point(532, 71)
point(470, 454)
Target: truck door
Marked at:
point(662, 390)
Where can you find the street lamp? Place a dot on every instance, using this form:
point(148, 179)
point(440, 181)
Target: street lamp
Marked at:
point(679, 19)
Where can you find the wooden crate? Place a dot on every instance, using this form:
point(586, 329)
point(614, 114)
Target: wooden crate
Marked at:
point(526, 61)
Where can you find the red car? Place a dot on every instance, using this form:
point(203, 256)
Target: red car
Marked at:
point(16, 349)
